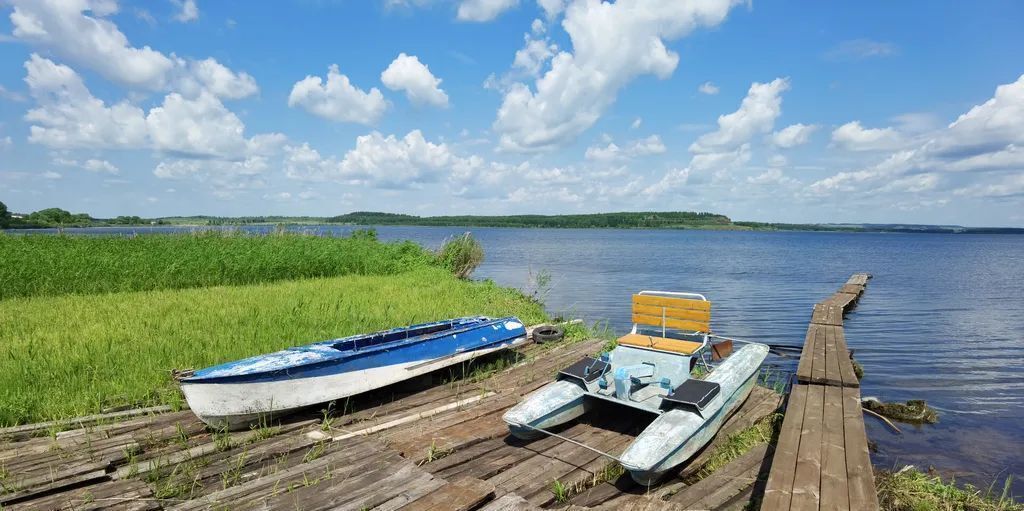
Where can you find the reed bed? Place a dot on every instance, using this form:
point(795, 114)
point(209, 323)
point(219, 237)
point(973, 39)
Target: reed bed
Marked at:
point(63, 356)
point(49, 265)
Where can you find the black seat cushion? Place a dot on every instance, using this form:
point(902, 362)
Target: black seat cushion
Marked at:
point(693, 392)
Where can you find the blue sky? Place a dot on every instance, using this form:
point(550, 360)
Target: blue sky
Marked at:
point(770, 111)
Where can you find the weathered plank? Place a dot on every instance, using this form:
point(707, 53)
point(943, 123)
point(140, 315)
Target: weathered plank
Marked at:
point(859, 473)
point(834, 489)
point(778, 493)
point(509, 503)
point(846, 363)
point(459, 495)
point(807, 478)
point(725, 483)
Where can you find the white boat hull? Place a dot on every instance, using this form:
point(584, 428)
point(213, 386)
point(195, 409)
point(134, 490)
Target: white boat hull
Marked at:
point(239, 405)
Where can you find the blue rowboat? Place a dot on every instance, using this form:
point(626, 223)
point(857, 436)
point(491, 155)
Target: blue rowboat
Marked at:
point(237, 394)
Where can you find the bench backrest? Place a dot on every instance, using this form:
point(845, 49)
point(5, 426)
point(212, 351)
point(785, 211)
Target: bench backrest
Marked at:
point(671, 312)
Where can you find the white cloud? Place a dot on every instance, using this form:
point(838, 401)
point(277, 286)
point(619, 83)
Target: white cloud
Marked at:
point(533, 56)
point(854, 137)
point(337, 99)
point(408, 74)
point(385, 162)
point(212, 76)
point(1011, 186)
point(612, 44)
point(6, 142)
point(483, 10)
point(552, 8)
point(772, 178)
point(636, 123)
point(757, 114)
point(79, 32)
point(793, 135)
point(857, 49)
point(188, 10)
point(89, 40)
point(199, 127)
point(642, 147)
point(49, 174)
point(708, 88)
point(92, 165)
point(718, 153)
point(68, 116)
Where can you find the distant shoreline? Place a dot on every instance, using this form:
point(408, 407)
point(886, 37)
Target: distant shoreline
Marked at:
point(679, 220)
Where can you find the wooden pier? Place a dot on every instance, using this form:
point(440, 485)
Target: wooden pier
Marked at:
point(821, 460)
point(441, 444)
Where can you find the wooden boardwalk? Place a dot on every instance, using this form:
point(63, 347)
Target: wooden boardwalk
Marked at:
point(821, 460)
point(397, 448)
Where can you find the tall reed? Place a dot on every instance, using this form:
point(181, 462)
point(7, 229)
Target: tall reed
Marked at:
point(32, 265)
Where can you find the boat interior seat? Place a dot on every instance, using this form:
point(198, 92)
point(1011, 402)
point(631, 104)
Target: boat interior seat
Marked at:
point(660, 343)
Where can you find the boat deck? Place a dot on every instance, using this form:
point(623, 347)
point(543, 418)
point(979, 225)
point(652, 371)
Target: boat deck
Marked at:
point(821, 460)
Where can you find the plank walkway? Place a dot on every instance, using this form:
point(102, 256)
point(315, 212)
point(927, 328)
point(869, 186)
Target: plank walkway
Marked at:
point(821, 460)
point(396, 448)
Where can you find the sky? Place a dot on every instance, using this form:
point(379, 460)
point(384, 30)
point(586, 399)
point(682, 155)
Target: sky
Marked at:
point(873, 111)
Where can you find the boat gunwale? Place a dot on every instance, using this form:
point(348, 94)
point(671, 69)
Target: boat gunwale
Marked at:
point(347, 355)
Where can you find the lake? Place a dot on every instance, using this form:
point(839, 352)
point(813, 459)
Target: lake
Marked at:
point(942, 320)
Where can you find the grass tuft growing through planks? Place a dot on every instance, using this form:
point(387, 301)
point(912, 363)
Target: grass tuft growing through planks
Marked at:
point(74, 355)
point(51, 265)
point(763, 431)
point(912, 490)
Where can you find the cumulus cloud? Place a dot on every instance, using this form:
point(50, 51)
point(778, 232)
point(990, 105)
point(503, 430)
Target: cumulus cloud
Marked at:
point(708, 88)
point(757, 114)
point(719, 152)
point(612, 43)
point(381, 161)
point(854, 137)
point(1011, 186)
point(92, 165)
point(68, 116)
point(337, 99)
point(483, 10)
point(187, 10)
point(642, 147)
point(79, 32)
point(552, 8)
point(985, 140)
point(793, 135)
point(407, 73)
point(214, 77)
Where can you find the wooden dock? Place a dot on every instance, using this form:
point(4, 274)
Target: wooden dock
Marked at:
point(821, 460)
point(397, 448)
point(441, 444)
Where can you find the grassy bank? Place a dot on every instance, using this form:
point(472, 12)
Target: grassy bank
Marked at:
point(72, 355)
point(51, 265)
point(912, 490)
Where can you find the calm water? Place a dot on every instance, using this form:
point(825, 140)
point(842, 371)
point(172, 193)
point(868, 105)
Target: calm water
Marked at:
point(942, 320)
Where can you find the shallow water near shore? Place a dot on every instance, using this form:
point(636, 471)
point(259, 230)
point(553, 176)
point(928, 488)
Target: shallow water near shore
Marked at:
point(942, 320)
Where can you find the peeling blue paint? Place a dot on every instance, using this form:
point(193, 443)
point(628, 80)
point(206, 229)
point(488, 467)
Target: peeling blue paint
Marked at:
point(416, 343)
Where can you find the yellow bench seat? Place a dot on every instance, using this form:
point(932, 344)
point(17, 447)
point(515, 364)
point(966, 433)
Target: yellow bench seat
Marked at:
point(660, 343)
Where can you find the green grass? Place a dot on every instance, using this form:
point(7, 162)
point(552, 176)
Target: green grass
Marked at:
point(34, 265)
point(73, 355)
point(762, 432)
point(913, 490)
